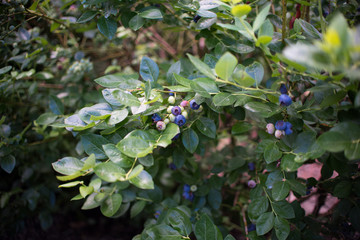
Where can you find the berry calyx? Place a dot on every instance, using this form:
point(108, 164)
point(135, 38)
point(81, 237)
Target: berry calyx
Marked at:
point(176, 110)
point(251, 184)
point(270, 128)
point(285, 100)
point(160, 125)
point(194, 105)
point(171, 99)
point(180, 120)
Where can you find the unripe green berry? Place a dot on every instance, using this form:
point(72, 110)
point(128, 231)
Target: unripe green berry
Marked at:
point(169, 109)
point(185, 114)
point(182, 108)
point(172, 117)
point(193, 188)
point(166, 121)
point(171, 99)
point(200, 109)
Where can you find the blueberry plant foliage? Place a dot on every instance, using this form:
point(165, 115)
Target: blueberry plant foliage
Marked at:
point(210, 147)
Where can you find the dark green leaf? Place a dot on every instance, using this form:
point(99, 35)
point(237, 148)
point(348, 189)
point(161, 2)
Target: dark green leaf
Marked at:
point(56, 106)
point(111, 205)
point(93, 143)
point(190, 140)
point(272, 153)
point(149, 70)
point(240, 127)
point(87, 16)
point(206, 126)
point(280, 190)
point(265, 223)
point(282, 228)
point(179, 221)
point(342, 189)
point(8, 162)
point(67, 165)
point(136, 22)
point(284, 209)
point(137, 208)
point(107, 26)
point(205, 229)
point(202, 67)
point(116, 156)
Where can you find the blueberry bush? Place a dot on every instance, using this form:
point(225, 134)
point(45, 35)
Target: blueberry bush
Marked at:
point(203, 133)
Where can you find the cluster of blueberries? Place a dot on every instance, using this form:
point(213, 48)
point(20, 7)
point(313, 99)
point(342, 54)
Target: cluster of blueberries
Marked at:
point(188, 193)
point(176, 114)
point(281, 127)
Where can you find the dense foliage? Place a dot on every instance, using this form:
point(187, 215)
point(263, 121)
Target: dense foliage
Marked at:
point(202, 133)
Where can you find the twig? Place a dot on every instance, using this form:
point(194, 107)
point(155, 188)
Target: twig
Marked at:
point(284, 10)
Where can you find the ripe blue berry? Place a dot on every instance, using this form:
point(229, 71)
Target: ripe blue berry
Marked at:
point(280, 125)
point(176, 136)
point(155, 117)
point(172, 166)
point(288, 129)
point(251, 166)
point(187, 194)
point(171, 93)
point(180, 120)
point(285, 100)
point(196, 18)
point(251, 227)
point(157, 214)
point(251, 184)
point(176, 110)
point(194, 105)
point(283, 89)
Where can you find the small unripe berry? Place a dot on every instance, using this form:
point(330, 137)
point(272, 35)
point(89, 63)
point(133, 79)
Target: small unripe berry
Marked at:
point(171, 99)
point(199, 110)
point(172, 118)
point(270, 128)
point(251, 184)
point(193, 188)
point(184, 103)
point(182, 108)
point(279, 133)
point(169, 109)
point(166, 121)
point(194, 105)
point(176, 110)
point(160, 125)
point(185, 114)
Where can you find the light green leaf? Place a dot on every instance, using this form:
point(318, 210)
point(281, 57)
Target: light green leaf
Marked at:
point(260, 18)
point(111, 205)
point(143, 180)
point(67, 165)
point(225, 66)
point(202, 67)
point(109, 171)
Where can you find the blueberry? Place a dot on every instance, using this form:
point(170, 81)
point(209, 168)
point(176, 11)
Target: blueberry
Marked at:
point(176, 110)
point(288, 129)
point(280, 125)
point(180, 120)
point(157, 214)
point(187, 194)
point(172, 166)
point(160, 125)
point(171, 93)
point(196, 18)
point(251, 166)
point(285, 100)
point(251, 227)
point(283, 89)
point(270, 128)
point(251, 184)
point(194, 105)
point(176, 136)
point(155, 117)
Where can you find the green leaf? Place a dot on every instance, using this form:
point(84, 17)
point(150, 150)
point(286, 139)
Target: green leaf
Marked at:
point(8, 163)
point(296, 186)
point(225, 66)
point(134, 146)
point(288, 163)
point(46, 119)
point(204, 86)
point(143, 180)
point(284, 209)
point(166, 136)
point(179, 221)
point(117, 116)
point(89, 203)
point(224, 99)
point(205, 229)
point(136, 22)
point(181, 80)
point(126, 98)
point(206, 126)
point(151, 13)
point(89, 162)
point(265, 223)
point(256, 71)
point(229, 237)
point(56, 106)
point(147, 161)
point(333, 141)
point(202, 67)
point(258, 206)
point(240, 127)
point(280, 190)
point(111, 205)
point(135, 172)
point(5, 69)
point(342, 189)
point(149, 70)
point(309, 29)
point(282, 228)
point(107, 26)
point(86, 190)
point(243, 78)
point(272, 153)
point(87, 16)
point(190, 140)
point(109, 171)
point(214, 198)
point(71, 184)
point(137, 208)
point(67, 165)
point(163, 232)
point(261, 108)
point(93, 143)
point(260, 18)
point(119, 80)
point(116, 156)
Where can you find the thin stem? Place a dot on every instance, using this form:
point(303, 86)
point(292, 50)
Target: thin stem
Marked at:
point(321, 17)
point(248, 30)
point(284, 11)
point(132, 167)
